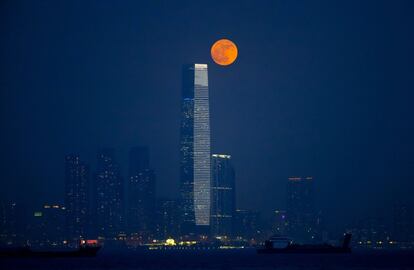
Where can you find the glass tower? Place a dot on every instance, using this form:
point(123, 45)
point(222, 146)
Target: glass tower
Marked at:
point(195, 170)
point(141, 191)
point(222, 195)
point(300, 209)
point(76, 196)
point(108, 195)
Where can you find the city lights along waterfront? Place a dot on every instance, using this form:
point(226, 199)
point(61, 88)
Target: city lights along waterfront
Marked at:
point(215, 135)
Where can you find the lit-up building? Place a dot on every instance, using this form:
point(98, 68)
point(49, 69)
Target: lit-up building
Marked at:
point(47, 226)
point(222, 195)
point(195, 170)
point(10, 227)
point(108, 187)
point(300, 209)
point(280, 223)
point(168, 219)
point(371, 232)
point(402, 223)
point(141, 193)
point(247, 225)
point(77, 199)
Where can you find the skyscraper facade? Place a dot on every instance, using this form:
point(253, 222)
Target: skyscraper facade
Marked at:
point(222, 195)
point(195, 170)
point(279, 223)
point(10, 224)
point(141, 193)
point(402, 223)
point(167, 219)
point(108, 188)
point(300, 209)
point(46, 228)
point(77, 199)
point(246, 225)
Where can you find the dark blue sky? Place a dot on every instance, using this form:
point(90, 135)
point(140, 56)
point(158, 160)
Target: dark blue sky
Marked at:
point(321, 88)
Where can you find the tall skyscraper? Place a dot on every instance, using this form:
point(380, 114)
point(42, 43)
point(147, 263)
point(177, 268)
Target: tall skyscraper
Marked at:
point(109, 197)
point(168, 219)
point(77, 200)
point(222, 195)
point(300, 209)
point(195, 171)
point(10, 224)
point(141, 193)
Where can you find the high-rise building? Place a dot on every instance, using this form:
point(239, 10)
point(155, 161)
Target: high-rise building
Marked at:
point(47, 226)
point(246, 225)
point(141, 193)
point(402, 222)
point(168, 219)
point(195, 171)
point(77, 200)
point(279, 224)
point(11, 227)
point(300, 209)
point(222, 195)
point(109, 197)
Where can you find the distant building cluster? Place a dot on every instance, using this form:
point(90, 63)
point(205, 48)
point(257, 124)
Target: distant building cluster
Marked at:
point(103, 204)
point(395, 231)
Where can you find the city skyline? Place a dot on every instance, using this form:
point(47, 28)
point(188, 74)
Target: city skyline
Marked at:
point(220, 134)
point(320, 89)
point(95, 211)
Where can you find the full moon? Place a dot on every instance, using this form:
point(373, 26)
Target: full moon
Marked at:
point(224, 52)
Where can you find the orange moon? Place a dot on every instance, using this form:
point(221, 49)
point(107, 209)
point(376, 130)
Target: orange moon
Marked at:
point(224, 52)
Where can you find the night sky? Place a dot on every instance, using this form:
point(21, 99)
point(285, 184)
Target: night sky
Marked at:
point(320, 88)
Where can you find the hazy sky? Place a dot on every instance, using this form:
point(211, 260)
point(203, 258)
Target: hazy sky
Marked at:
point(321, 88)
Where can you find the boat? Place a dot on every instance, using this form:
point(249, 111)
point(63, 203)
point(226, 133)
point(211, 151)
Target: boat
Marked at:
point(280, 244)
point(84, 250)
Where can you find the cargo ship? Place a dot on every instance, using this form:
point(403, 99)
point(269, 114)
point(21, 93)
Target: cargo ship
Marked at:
point(88, 248)
point(280, 244)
